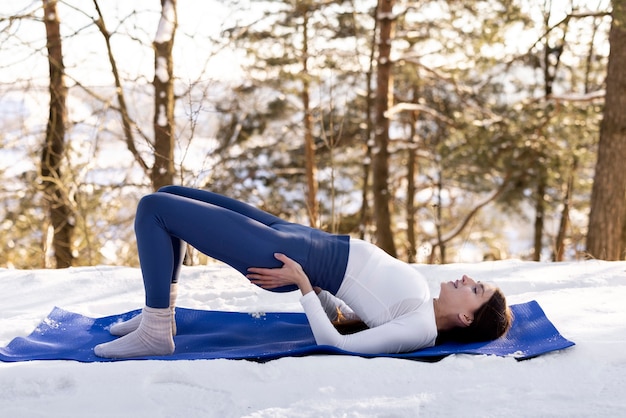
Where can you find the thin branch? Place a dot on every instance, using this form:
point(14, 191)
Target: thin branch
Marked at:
point(127, 123)
point(454, 233)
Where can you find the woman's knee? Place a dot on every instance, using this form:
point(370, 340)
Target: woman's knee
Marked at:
point(147, 206)
point(169, 189)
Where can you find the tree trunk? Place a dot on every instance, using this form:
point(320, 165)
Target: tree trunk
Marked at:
point(367, 161)
point(410, 185)
point(384, 97)
point(60, 212)
point(551, 61)
point(606, 217)
point(540, 211)
point(163, 170)
point(441, 243)
point(559, 245)
point(309, 145)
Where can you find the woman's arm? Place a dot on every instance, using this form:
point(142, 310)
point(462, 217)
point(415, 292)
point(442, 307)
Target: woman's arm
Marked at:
point(400, 335)
point(403, 334)
point(333, 306)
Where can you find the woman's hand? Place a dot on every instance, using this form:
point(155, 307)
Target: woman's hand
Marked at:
point(290, 273)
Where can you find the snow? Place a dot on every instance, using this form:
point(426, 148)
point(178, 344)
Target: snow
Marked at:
point(162, 117)
point(161, 70)
point(584, 299)
point(167, 23)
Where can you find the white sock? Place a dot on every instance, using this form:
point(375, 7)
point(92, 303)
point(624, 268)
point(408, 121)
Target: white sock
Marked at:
point(153, 337)
point(126, 327)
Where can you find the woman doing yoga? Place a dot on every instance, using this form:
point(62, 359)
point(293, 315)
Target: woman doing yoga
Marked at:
point(333, 272)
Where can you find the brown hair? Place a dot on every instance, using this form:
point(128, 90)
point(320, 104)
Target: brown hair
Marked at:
point(348, 326)
point(491, 321)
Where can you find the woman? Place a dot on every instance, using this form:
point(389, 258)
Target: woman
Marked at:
point(333, 272)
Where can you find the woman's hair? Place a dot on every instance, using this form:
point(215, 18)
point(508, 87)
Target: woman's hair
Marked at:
point(491, 321)
point(350, 326)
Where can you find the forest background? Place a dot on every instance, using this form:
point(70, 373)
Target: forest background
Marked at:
point(443, 131)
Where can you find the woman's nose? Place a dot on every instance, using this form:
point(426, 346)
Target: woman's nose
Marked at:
point(466, 279)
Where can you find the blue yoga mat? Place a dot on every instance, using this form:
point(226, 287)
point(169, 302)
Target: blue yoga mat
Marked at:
point(202, 334)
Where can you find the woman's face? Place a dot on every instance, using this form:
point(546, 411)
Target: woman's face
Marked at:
point(464, 296)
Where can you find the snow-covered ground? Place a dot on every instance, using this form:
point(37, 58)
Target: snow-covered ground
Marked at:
point(586, 301)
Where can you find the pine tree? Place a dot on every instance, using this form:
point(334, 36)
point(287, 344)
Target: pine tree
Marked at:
point(608, 204)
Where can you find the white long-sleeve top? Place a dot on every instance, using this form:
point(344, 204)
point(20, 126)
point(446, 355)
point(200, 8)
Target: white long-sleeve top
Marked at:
point(390, 296)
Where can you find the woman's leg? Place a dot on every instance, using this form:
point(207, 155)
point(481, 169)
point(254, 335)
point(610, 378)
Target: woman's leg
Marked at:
point(245, 209)
point(179, 247)
point(236, 238)
point(323, 267)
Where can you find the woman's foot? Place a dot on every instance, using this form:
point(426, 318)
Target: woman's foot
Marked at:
point(153, 337)
point(122, 328)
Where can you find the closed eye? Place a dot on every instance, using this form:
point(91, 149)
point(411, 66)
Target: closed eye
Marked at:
point(482, 288)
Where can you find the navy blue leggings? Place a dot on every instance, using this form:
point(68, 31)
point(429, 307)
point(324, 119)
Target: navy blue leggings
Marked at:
point(223, 228)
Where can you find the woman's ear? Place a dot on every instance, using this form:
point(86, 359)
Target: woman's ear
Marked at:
point(465, 319)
